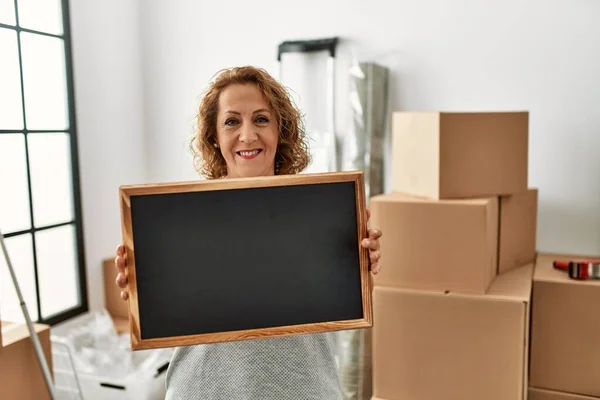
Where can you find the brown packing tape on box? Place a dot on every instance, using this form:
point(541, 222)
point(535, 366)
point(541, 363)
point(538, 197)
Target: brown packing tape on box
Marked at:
point(565, 331)
point(431, 345)
point(542, 394)
point(436, 244)
point(21, 376)
point(444, 155)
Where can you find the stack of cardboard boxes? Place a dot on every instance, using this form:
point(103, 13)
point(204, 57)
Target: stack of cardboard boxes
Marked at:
point(452, 302)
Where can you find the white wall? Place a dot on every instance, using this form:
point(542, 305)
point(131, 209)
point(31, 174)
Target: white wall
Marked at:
point(140, 69)
point(108, 90)
point(460, 55)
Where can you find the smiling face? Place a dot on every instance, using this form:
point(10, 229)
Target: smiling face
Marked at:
point(247, 132)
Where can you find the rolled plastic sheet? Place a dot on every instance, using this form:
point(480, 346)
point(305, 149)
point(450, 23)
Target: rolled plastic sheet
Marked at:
point(363, 148)
point(363, 145)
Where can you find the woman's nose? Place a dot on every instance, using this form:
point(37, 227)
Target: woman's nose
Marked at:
point(248, 134)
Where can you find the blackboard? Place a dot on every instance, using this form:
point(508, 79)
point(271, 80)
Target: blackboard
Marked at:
point(248, 258)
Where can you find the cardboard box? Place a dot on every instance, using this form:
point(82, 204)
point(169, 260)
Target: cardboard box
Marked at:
point(121, 324)
point(541, 394)
point(445, 155)
point(21, 376)
point(518, 230)
point(565, 344)
point(436, 244)
point(435, 345)
point(114, 304)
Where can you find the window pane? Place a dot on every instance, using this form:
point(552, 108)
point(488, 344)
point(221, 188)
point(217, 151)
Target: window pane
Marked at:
point(50, 166)
point(57, 268)
point(14, 195)
point(11, 110)
point(20, 251)
point(41, 15)
point(7, 12)
point(45, 82)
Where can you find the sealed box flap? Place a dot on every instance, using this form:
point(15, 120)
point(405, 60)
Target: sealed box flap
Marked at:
point(545, 272)
point(514, 284)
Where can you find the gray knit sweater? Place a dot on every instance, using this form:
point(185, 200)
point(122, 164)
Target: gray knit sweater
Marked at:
point(298, 367)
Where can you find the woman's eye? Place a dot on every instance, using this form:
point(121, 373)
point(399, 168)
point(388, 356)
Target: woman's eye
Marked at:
point(230, 121)
point(262, 120)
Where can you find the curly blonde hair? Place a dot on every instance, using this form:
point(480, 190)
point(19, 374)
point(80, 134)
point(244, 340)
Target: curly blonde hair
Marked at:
point(292, 155)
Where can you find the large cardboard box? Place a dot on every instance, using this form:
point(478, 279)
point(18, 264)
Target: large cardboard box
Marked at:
point(565, 331)
point(21, 376)
point(435, 345)
point(541, 394)
point(518, 230)
point(445, 155)
point(436, 244)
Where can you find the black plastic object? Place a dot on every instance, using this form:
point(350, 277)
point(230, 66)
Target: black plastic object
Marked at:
point(307, 46)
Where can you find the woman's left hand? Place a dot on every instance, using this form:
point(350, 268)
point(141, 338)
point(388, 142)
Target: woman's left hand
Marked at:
point(371, 242)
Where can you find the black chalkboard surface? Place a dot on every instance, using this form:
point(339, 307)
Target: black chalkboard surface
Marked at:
point(232, 259)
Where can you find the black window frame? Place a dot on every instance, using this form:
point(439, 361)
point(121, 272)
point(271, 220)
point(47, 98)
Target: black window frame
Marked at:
point(77, 222)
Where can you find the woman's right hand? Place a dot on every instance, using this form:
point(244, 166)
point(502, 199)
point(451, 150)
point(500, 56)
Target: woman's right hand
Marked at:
point(121, 264)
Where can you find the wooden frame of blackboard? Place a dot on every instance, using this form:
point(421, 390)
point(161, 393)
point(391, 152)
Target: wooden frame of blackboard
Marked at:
point(128, 191)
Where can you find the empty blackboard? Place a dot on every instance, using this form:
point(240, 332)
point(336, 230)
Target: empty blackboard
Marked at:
point(232, 259)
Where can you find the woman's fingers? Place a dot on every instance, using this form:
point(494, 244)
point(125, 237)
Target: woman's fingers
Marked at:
point(371, 244)
point(120, 263)
point(375, 233)
point(375, 268)
point(121, 280)
point(374, 256)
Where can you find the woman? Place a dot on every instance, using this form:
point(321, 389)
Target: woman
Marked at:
point(248, 126)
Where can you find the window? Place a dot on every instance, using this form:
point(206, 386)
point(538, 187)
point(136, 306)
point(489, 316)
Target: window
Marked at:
point(40, 207)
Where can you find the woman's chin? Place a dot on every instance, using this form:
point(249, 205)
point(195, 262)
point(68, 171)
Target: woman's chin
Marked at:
point(251, 171)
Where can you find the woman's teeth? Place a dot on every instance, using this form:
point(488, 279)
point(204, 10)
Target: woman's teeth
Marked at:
point(248, 153)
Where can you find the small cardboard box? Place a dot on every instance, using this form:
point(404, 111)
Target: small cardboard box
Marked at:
point(21, 376)
point(541, 394)
point(436, 244)
point(435, 345)
point(518, 230)
point(565, 331)
point(445, 155)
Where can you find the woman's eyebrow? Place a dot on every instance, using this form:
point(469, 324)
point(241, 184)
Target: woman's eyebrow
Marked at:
point(238, 113)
